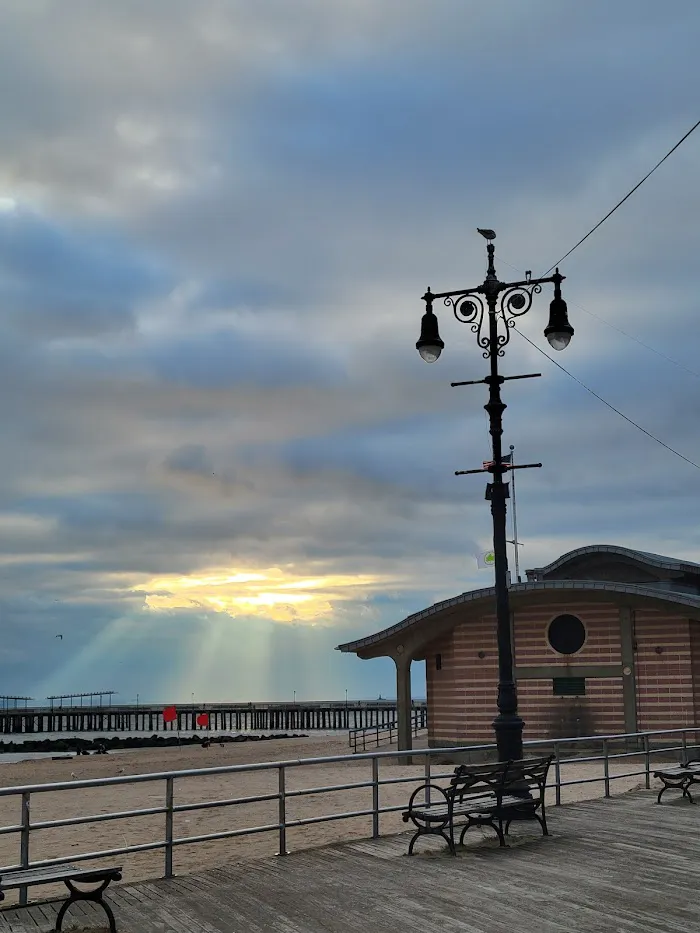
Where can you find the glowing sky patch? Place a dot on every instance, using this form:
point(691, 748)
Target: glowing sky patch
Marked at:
point(273, 594)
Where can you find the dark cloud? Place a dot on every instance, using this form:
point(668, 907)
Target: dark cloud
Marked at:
point(58, 282)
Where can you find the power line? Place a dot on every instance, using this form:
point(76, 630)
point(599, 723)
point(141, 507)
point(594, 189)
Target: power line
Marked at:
point(620, 203)
point(612, 407)
point(664, 356)
point(640, 342)
point(613, 326)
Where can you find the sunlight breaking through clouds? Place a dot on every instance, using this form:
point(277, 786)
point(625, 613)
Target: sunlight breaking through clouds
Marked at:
point(276, 594)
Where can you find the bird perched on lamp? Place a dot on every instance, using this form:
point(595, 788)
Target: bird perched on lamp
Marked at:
point(486, 233)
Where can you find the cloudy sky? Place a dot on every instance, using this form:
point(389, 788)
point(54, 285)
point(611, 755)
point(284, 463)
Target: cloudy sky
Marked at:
point(222, 455)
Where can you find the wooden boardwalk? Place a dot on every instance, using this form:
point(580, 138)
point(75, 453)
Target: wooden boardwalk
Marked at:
point(622, 865)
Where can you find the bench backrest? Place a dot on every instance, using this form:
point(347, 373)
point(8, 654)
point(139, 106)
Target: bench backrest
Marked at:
point(530, 771)
point(498, 778)
point(475, 778)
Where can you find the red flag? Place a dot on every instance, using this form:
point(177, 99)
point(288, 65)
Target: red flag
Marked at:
point(169, 714)
point(203, 719)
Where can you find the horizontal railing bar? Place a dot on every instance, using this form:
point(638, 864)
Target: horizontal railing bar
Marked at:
point(626, 754)
point(226, 834)
point(394, 808)
point(616, 777)
point(416, 777)
point(308, 791)
point(211, 804)
point(594, 780)
point(328, 818)
point(86, 856)
point(4, 830)
point(97, 818)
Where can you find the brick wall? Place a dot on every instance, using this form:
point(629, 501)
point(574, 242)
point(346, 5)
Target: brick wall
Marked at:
point(695, 666)
point(602, 623)
point(462, 695)
point(601, 710)
point(664, 681)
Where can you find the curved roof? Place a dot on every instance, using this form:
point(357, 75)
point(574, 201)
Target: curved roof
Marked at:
point(473, 597)
point(642, 557)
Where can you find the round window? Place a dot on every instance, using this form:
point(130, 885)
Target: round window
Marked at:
point(566, 634)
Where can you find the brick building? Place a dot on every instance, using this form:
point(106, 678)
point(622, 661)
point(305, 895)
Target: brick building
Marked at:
point(606, 640)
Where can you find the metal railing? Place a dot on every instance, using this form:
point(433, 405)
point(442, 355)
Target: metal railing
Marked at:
point(373, 736)
point(26, 827)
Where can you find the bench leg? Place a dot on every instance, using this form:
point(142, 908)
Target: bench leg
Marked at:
point(535, 816)
point(75, 894)
point(684, 788)
point(494, 826)
point(448, 840)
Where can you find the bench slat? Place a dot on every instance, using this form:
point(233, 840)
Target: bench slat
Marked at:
point(29, 876)
point(677, 772)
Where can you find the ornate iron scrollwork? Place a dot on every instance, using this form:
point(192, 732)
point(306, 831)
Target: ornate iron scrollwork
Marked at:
point(471, 309)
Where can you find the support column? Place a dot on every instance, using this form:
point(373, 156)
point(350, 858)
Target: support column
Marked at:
point(403, 700)
point(629, 675)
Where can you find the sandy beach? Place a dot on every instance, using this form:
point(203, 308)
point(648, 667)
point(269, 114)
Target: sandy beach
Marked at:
point(90, 837)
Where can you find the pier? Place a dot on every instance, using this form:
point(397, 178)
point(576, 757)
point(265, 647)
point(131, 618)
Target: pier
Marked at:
point(223, 717)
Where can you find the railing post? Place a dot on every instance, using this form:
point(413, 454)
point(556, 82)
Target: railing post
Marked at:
point(647, 762)
point(606, 767)
point(169, 796)
point(375, 798)
point(427, 779)
point(282, 812)
point(24, 843)
point(557, 776)
point(684, 742)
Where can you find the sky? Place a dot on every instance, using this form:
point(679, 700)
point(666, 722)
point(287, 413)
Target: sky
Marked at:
point(221, 454)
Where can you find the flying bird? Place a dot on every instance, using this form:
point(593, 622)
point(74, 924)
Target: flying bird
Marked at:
point(74, 775)
point(485, 232)
point(60, 636)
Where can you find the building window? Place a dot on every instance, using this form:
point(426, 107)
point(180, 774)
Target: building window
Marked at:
point(438, 662)
point(566, 634)
point(569, 686)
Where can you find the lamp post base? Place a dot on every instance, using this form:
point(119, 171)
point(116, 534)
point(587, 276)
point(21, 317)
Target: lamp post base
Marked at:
point(509, 740)
point(509, 736)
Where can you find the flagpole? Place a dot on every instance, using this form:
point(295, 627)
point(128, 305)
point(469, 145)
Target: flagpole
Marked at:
point(515, 520)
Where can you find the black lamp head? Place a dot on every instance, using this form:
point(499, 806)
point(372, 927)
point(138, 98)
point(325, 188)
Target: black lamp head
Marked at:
point(430, 346)
point(558, 332)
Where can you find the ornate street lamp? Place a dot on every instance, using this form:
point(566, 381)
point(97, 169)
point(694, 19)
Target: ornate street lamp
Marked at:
point(491, 310)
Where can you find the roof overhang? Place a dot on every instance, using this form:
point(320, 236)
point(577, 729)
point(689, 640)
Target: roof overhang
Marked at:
point(643, 558)
point(418, 630)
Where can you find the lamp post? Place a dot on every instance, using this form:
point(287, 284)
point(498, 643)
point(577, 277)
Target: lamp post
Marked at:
point(490, 309)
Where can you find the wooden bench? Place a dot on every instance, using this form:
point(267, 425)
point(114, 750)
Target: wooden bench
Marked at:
point(24, 878)
point(679, 778)
point(493, 795)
